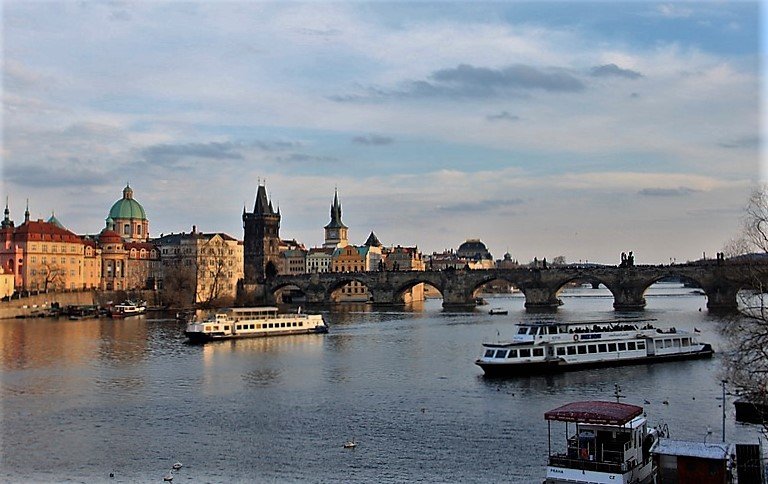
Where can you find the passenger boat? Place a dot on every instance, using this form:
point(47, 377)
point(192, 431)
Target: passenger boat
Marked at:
point(554, 347)
point(252, 323)
point(610, 442)
point(128, 308)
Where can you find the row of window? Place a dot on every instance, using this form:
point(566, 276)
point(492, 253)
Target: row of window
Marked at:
point(577, 349)
point(240, 327)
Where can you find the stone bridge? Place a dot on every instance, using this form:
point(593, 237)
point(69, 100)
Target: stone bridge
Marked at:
point(720, 280)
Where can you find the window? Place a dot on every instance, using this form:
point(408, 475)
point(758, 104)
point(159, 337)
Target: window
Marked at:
point(602, 348)
point(631, 346)
point(126, 229)
point(526, 353)
point(489, 353)
point(641, 345)
point(592, 348)
point(501, 353)
point(622, 346)
point(686, 342)
point(581, 349)
point(138, 229)
point(561, 351)
point(512, 354)
point(538, 352)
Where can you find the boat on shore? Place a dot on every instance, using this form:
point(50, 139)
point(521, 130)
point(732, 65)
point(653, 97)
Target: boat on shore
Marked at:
point(609, 442)
point(253, 323)
point(127, 309)
point(556, 347)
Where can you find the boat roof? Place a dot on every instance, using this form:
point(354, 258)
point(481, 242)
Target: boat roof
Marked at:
point(250, 310)
point(595, 412)
point(585, 323)
point(701, 450)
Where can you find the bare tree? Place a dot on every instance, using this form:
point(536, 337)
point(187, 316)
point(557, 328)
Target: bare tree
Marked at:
point(746, 358)
point(50, 277)
point(179, 285)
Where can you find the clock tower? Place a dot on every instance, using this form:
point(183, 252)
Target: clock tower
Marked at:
point(335, 231)
point(261, 239)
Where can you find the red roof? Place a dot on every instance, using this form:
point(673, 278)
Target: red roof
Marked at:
point(607, 413)
point(39, 230)
point(109, 236)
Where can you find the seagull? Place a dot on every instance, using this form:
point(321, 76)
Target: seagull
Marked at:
point(646, 402)
point(177, 466)
point(168, 477)
point(665, 402)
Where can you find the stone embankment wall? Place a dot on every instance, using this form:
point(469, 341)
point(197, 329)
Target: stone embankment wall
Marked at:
point(28, 306)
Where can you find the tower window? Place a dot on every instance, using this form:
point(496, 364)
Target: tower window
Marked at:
point(138, 229)
point(127, 229)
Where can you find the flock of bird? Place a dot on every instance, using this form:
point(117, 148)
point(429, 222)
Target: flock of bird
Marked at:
point(175, 467)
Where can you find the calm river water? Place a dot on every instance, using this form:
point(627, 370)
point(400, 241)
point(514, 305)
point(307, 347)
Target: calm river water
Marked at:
point(83, 399)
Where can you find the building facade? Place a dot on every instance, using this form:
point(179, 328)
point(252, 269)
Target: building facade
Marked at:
point(128, 218)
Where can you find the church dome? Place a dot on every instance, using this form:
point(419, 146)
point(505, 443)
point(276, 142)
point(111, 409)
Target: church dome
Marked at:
point(473, 249)
point(127, 207)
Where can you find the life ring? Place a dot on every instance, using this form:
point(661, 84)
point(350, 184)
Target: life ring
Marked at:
point(575, 337)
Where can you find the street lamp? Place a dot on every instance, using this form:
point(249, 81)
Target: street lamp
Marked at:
point(724, 382)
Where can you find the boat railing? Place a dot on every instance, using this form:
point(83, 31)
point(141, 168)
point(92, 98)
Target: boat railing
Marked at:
point(563, 460)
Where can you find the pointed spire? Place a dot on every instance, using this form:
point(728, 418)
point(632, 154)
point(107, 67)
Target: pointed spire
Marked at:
point(26, 212)
point(336, 213)
point(7, 217)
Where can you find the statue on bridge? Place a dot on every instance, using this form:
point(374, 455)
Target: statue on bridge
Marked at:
point(627, 260)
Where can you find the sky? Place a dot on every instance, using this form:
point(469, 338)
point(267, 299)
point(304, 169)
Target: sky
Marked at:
point(577, 129)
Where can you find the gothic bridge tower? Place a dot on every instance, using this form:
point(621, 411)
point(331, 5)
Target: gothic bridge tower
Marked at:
point(261, 239)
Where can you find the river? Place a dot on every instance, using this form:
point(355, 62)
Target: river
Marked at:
point(83, 399)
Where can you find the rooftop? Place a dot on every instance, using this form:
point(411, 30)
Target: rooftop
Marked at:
point(595, 412)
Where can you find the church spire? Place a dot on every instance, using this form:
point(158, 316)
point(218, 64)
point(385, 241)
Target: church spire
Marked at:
point(336, 213)
point(26, 212)
point(7, 218)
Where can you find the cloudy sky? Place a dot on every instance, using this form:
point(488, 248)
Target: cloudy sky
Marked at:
point(579, 128)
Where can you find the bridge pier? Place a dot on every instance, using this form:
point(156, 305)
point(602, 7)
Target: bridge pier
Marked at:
point(722, 300)
point(629, 298)
point(540, 299)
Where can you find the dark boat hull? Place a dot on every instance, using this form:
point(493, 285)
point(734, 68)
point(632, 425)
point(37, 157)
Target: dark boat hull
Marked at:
point(197, 338)
point(500, 370)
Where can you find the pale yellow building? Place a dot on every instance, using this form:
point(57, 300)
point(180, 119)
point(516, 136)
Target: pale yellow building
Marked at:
point(6, 283)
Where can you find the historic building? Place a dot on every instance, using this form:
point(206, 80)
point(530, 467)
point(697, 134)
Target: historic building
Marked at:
point(211, 262)
point(319, 260)
point(42, 256)
point(129, 219)
point(335, 231)
point(261, 239)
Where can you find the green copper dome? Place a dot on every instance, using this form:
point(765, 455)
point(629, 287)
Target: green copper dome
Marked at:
point(127, 207)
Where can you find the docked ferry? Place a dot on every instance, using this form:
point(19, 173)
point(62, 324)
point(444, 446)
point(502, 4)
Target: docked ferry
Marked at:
point(253, 323)
point(554, 347)
point(608, 442)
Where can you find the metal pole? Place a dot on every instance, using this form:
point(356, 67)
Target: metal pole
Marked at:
point(723, 382)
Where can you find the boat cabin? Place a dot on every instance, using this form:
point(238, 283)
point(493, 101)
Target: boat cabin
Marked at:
point(601, 437)
point(680, 461)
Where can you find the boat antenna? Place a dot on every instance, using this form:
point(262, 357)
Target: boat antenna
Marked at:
point(617, 392)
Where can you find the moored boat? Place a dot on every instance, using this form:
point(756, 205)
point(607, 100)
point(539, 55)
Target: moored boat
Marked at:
point(610, 442)
point(252, 323)
point(555, 347)
point(498, 311)
point(128, 308)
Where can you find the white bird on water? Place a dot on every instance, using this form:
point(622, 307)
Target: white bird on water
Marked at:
point(177, 466)
point(168, 477)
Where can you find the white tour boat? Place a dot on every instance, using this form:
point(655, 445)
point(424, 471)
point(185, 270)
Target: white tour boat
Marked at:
point(252, 323)
point(611, 443)
point(553, 347)
point(128, 308)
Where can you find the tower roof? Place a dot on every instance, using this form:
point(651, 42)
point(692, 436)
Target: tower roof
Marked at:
point(53, 220)
point(263, 206)
point(336, 222)
point(373, 241)
point(127, 207)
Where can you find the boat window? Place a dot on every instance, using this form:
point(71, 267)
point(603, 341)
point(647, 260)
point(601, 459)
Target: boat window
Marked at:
point(526, 353)
point(282, 325)
point(271, 325)
point(501, 353)
point(512, 354)
point(631, 345)
point(215, 328)
point(553, 330)
point(676, 342)
point(207, 328)
point(488, 353)
point(582, 349)
point(592, 348)
point(622, 346)
point(561, 351)
point(226, 328)
point(667, 343)
point(238, 326)
point(686, 342)
point(295, 324)
point(254, 326)
point(301, 323)
point(571, 350)
point(562, 329)
point(538, 352)
point(602, 348)
point(611, 347)
point(659, 344)
point(522, 331)
point(641, 345)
